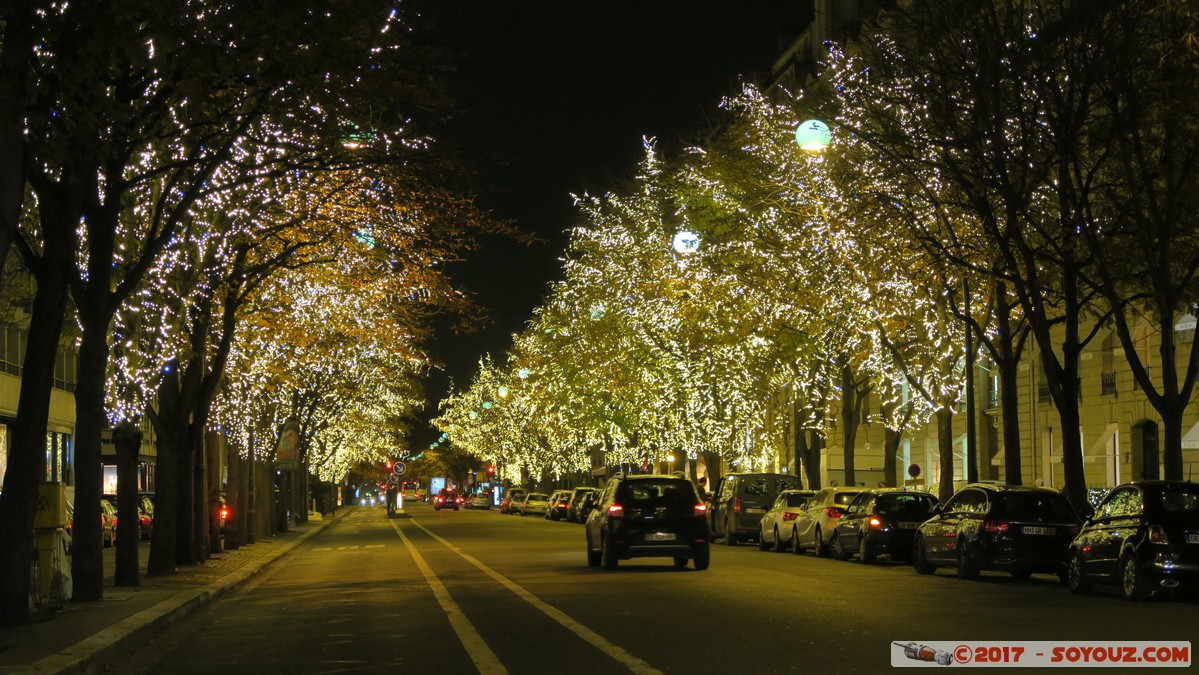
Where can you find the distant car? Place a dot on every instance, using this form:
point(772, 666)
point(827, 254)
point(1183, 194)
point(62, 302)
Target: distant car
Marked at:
point(1020, 530)
point(777, 525)
point(881, 522)
point(513, 499)
point(814, 527)
point(741, 499)
point(447, 498)
point(1143, 537)
point(108, 520)
point(649, 516)
point(479, 500)
point(534, 504)
point(559, 504)
point(578, 498)
point(145, 513)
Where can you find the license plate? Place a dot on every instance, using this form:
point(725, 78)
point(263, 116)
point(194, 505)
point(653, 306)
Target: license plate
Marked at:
point(660, 536)
point(755, 510)
point(1039, 530)
point(908, 526)
point(1192, 538)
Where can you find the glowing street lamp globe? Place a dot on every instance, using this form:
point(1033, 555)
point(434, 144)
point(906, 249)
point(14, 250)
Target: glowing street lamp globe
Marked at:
point(813, 135)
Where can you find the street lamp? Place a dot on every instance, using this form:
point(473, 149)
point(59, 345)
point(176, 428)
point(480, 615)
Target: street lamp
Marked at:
point(670, 463)
point(685, 242)
point(813, 136)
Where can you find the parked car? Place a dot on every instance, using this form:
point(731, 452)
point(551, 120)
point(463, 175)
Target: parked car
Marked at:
point(814, 527)
point(741, 499)
point(775, 528)
point(559, 503)
point(881, 522)
point(649, 516)
point(535, 503)
point(108, 520)
point(1143, 537)
point(479, 500)
point(587, 503)
point(447, 498)
point(1020, 530)
point(145, 513)
point(512, 500)
point(578, 497)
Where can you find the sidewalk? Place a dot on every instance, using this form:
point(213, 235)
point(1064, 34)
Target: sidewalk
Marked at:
point(71, 640)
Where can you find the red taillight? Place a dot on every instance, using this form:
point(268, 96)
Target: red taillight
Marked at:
point(995, 527)
point(736, 505)
point(832, 512)
point(615, 511)
point(700, 510)
point(874, 523)
point(788, 516)
point(1157, 534)
point(224, 513)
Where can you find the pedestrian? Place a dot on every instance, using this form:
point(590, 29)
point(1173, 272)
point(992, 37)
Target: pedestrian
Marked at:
point(703, 488)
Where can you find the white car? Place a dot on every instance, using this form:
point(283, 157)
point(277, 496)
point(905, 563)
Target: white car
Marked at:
point(814, 527)
point(535, 503)
point(479, 500)
point(778, 524)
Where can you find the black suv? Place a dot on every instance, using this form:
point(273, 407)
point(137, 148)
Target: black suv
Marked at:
point(648, 516)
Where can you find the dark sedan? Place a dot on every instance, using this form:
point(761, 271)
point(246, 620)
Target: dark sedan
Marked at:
point(1143, 537)
point(1019, 530)
point(881, 522)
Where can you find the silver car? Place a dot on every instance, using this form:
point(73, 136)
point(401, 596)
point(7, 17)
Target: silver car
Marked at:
point(777, 526)
point(814, 527)
point(535, 503)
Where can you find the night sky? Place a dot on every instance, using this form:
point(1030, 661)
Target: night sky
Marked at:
point(557, 96)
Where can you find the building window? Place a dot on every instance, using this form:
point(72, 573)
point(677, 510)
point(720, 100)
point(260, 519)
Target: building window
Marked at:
point(1043, 393)
point(58, 457)
point(1109, 384)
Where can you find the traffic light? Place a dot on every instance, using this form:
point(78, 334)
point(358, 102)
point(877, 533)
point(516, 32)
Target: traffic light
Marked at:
point(387, 465)
point(490, 470)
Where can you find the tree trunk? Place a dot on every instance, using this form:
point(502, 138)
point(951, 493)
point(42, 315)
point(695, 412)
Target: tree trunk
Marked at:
point(1008, 350)
point(851, 417)
point(87, 557)
point(164, 539)
point(811, 458)
point(945, 450)
point(891, 440)
point(234, 495)
point(127, 438)
point(27, 454)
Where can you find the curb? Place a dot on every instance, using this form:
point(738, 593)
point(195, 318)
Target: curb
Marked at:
point(83, 655)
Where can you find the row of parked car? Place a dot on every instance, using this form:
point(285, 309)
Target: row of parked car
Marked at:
point(1142, 537)
point(569, 505)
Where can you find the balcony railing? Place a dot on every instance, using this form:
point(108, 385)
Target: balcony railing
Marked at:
point(1109, 384)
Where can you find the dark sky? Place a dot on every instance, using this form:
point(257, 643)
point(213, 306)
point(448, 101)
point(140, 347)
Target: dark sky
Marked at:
point(557, 96)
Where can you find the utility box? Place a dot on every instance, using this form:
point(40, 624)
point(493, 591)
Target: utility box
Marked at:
point(51, 510)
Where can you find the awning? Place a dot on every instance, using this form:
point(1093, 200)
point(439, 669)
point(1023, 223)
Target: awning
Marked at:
point(1190, 440)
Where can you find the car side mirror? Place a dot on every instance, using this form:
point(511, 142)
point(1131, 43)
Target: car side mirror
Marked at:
point(935, 511)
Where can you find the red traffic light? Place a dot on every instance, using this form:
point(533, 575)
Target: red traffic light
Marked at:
point(490, 470)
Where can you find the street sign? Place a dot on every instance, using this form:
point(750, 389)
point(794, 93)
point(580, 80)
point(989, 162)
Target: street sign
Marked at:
point(914, 470)
point(399, 469)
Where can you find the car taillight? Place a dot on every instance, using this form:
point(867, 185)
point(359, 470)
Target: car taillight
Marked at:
point(615, 511)
point(788, 516)
point(832, 512)
point(995, 526)
point(736, 505)
point(700, 510)
point(874, 523)
point(224, 513)
point(1157, 534)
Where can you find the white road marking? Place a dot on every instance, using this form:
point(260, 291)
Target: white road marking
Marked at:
point(476, 647)
point(589, 636)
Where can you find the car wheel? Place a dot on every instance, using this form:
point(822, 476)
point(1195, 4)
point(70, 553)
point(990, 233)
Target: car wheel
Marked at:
point(795, 547)
point(837, 549)
point(680, 561)
point(778, 542)
point(865, 555)
point(730, 535)
point(1132, 581)
point(701, 554)
point(593, 557)
point(821, 547)
point(919, 561)
point(607, 555)
point(966, 567)
point(763, 545)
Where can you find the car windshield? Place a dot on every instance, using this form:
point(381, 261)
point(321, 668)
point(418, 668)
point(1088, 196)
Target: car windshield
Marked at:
point(797, 499)
point(1180, 499)
point(668, 491)
point(1019, 505)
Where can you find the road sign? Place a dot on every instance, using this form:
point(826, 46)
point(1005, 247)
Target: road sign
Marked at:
point(914, 470)
point(399, 469)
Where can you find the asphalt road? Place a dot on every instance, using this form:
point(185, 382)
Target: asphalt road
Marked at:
point(477, 591)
